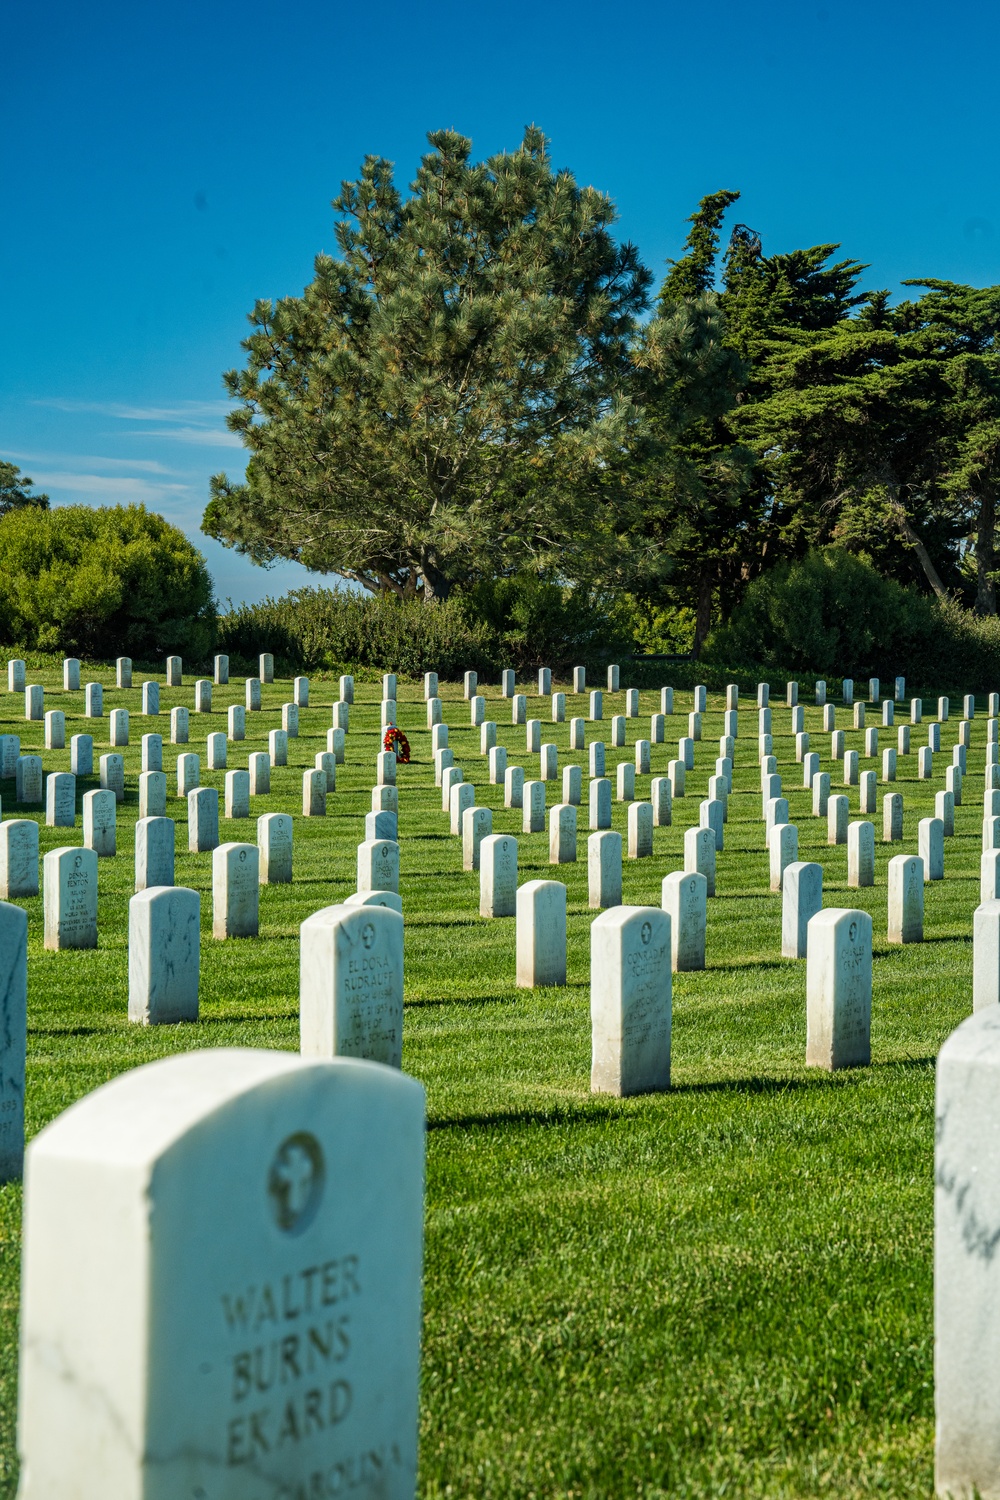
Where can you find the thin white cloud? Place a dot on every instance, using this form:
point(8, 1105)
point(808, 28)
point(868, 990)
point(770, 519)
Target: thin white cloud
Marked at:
point(110, 486)
point(184, 411)
point(205, 437)
point(88, 460)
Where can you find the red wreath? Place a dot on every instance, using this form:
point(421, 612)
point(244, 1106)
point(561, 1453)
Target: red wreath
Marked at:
point(396, 740)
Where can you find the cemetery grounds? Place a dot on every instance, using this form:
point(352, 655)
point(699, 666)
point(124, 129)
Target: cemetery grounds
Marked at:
point(721, 1290)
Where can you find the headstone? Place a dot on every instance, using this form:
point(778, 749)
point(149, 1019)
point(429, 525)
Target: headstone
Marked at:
point(221, 671)
point(985, 955)
point(434, 713)
point(711, 814)
point(507, 683)
point(180, 726)
point(235, 890)
point(930, 847)
point(326, 761)
point(969, 706)
point(801, 746)
point(60, 800)
point(953, 783)
point(694, 732)
point(868, 794)
point(477, 824)
point(775, 814)
point(798, 719)
point(643, 750)
point(347, 690)
point(829, 718)
point(16, 670)
point(118, 726)
point(860, 854)
point(151, 700)
point(252, 697)
point(991, 833)
point(237, 794)
point(732, 696)
point(81, 755)
point(630, 1001)
point(604, 869)
point(889, 763)
point(70, 898)
point(549, 762)
point(93, 701)
point(597, 706)
point(791, 694)
point(154, 852)
point(596, 758)
point(541, 933)
point(783, 850)
point(850, 768)
point(430, 685)
point(640, 830)
point(871, 743)
point(152, 752)
point(533, 820)
point(28, 783)
point(700, 698)
point(558, 708)
point(174, 667)
point(290, 720)
point(657, 729)
point(572, 785)
point(820, 693)
point(314, 794)
point(477, 710)
point(378, 865)
point(666, 700)
point(498, 876)
point(847, 691)
point(906, 899)
point(351, 984)
point(388, 714)
point(675, 775)
point(892, 818)
point(944, 808)
point(71, 675)
point(100, 819)
point(660, 796)
point(837, 745)
point(562, 834)
point(497, 765)
point(519, 709)
point(839, 989)
point(266, 667)
point(277, 747)
point(123, 671)
point(966, 1267)
point(203, 696)
point(34, 701)
point(600, 803)
point(801, 899)
point(55, 729)
point(13, 1032)
point(444, 760)
point(470, 685)
point(989, 875)
point(903, 739)
point(837, 812)
point(934, 736)
point(614, 679)
point(821, 794)
point(684, 896)
point(188, 773)
point(388, 899)
point(513, 786)
point(632, 703)
point(544, 681)
point(888, 714)
point(18, 860)
point(461, 797)
point(385, 799)
point(203, 819)
point(300, 691)
point(699, 855)
point(311, 1174)
point(626, 781)
point(236, 726)
point(810, 768)
point(152, 794)
point(274, 848)
point(216, 750)
point(451, 777)
point(579, 679)
point(763, 694)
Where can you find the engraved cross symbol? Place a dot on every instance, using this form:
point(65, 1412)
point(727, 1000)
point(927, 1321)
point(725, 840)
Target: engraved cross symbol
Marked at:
point(295, 1173)
point(368, 934)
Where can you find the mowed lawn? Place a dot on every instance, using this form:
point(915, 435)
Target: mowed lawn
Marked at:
point(721, 1290)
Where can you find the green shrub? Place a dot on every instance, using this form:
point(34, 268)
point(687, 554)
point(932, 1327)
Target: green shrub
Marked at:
point(337, 630)
point(536, 622)
point(103, 583)
point(833, 615)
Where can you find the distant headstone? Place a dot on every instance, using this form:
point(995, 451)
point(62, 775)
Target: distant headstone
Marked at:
point(311, 1177)
point(477, 823)
point(461, 796)
point(277, 747)
point(60, 800)
point(152, 752)
point(660, 796)
point(221, 672)
point(640, 830)
point(188, 773)
point(154, 852)
point(558, 708)
point(572, 783)
point(16, 671)
point(18, 858)
point(237, 794)
point(290, 720)
point(604, 869)
point(151, 700)
point(596, 706)
point(783, 850)
point(684, 894)
point(596, 758)
point(699, 855)
point(314, 794)
point(906, 899)
point(55, 729)
point(216, 751)
point(860, 854)
point(123, 672)
point(839, 989)
point(351, 984)
point(28, 781)
point(347, 689)
point(533, 819)
point(513, 786)
point(498, 876)
point(600, 803)
point(892, 818)
point(112, 773)
point(930, 847)
point(203, 696)
point(626, 781)
point(93, 701)
point(70, 898)
point(252, 697)
point(541, 934)
point(235, 891)
point(430, 685)
point(544, 681)
point(266, 667)
point(802, 898)
point(507, 683)
point(203, 819)
point(579, 679)
point(10, 750)
point(630, 1001)
point(99, 822)
point(180, 726)
point(837, 813)
point(519, 709)
point(274, 848)
point(378, 865)
point(34, 701)
point(81, 755)
point(71, 675)
point(152, 794)
point(300, 690)
point(549, 762)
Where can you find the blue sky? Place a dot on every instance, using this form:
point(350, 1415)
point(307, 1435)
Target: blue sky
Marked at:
point(162, 167)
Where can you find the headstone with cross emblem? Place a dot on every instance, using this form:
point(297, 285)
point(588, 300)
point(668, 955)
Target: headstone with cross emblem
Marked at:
point(235, 891)
point(70, 898)
point(306, 1177)
point(630, 1001)
point(351, 984)
point(839, 989)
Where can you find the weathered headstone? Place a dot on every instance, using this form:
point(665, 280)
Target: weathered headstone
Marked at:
point(252, 697)
point(100, 823)
point(513, 786)
point(630, 1001)
point(699, 855)
point(277, 747)
point(572, 784)
point(498, 876)
point(626, 781)
point(892, 818)
point(237, 794)
point(60, 800)
point(221, 672)
point(821, 794)
point(70, 898)
point(81, 755)
point(562, 834)
point(783, 850)
point(860, 854)
point(989, 875)
point(28, 780)
point(600, 803)
point(944, 808)
point(314, 794)
point(188, 773)
point(34, 701)
point(533, 807)
point(541, 934)
point(930, 847)
point(274, 848)
point(382, 822)
point(660, 796)
point(16, 670)
point(477, 824)
point(986, 955)
point(235, 891)
point(906, 899)
point(326, 761)
point(152, 794)
point(604, 869)
point(93, 701)
point(837, 812)
point(461, 796)
point(839, 989)
point(151, 700)
point(378, 865)
point(55, 729)
point(203, 696)
point(430, 685)
point(216, 751)
point(290, 720)
point(174, 671)
point(180, 726)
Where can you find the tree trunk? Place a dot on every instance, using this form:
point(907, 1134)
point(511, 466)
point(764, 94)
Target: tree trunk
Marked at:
point(923, 556)
point(436, 585)
point(986, 593)
point(703, 610)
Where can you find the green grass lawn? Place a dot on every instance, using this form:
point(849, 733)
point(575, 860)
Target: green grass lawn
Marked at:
point(721, 1290)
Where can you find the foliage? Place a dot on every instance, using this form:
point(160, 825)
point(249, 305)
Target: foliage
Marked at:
point(539, 622)
point(344, 631)
point(15, 490)
point(449, 397)
point(831, 613)
point(103, 582)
